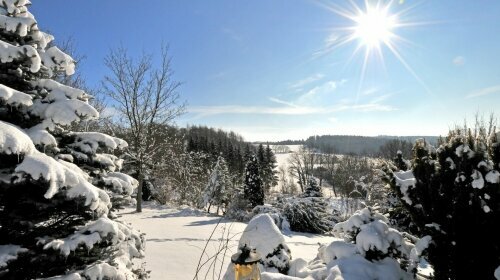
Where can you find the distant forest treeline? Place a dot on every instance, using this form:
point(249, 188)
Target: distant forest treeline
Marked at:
point(353, 145)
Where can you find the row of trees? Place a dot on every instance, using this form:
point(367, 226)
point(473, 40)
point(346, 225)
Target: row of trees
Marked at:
point(259, 176)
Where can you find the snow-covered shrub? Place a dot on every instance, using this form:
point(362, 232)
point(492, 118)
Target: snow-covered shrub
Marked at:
point(262, 234)
point(308, 212)
point(54, 220)
point(238, 206)
point(275, 213)
point(453, 194)
point(370, 249)
point(369, 234)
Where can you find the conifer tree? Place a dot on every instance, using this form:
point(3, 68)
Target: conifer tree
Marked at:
point(308, 212)
point(269, 172)
point(453, 195)
point(253, 188)
point(218, 190)
point(54, 221)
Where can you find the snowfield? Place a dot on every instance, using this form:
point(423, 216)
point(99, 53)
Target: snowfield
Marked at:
point(175, 238)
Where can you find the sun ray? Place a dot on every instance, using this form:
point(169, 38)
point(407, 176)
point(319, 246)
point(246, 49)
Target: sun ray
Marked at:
point(374, 27)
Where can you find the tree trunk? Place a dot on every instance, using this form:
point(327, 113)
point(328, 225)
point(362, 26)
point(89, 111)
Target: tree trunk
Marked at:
point(139, 192)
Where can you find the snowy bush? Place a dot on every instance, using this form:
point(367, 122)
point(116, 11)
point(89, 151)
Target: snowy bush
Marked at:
point(262, 234)
point(275, 213)
point(308, 212)
point(55, 221)
point(452, 194)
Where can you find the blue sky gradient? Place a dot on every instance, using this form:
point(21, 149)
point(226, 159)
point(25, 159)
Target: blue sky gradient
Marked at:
point(259, 67)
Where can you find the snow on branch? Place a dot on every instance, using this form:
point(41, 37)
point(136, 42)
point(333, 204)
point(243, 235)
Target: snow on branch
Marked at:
point(18, 25)
point(57, 61)
point(103, 229)
point(40, 166)
point(9, 53)
point(121, 182)
point(58, 91)
point(14, 141)
point(9, 252)
point(13, 97)
point(88, 142)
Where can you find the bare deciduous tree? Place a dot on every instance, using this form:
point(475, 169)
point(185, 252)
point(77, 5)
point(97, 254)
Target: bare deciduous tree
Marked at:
point(146, 97)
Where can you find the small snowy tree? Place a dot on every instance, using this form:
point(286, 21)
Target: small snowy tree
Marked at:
point(453, 195)
point(218, 190)
point(254, 190)
point(54, 221)
point(308, 213)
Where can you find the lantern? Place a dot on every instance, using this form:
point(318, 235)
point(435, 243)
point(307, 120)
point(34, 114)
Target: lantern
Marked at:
point(246, 264)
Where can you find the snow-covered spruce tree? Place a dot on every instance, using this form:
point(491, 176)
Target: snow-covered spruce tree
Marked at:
point(267, 165)
point(453, 195)
point(53, 220)
point(254, 190)
point(218, 189)
point(308, 212)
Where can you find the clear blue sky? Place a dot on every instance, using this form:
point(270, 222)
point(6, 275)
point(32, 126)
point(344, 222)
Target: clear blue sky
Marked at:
point(259, 67)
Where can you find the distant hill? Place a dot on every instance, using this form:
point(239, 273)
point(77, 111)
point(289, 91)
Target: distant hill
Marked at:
point(358, 145)
point(351, 144)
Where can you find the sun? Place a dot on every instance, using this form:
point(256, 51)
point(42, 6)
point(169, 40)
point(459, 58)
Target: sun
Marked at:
point(374, 26)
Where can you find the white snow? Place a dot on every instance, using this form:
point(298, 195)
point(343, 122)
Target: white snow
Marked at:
point(497, 273)
point(41, 137)
point(88, 142)
point(121, 182)
point(9, 53)
point(477, 180)
point(104, 229)
point(59, 91)
point(493, 177)
point(405, 180)
point(60, 177)
point(14, 141)
point(9, 252)
point(13, 97)
point(262, 225)
point(176, 237)
point(18, 25)
point(57, 61)
point(65, 112)
point(336, 250)
point(452, 164)
point(464, 149)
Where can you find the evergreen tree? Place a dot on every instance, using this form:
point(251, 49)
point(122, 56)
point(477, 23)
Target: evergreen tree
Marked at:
point(54, 221)
point(312, 189)
point(453, 195)
point(308, 213)
point(218, 190)
point(268, 167)
point(254, 190)
point(400, 162)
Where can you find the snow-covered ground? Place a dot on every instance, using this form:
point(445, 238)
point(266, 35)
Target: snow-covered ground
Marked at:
point(175, 238)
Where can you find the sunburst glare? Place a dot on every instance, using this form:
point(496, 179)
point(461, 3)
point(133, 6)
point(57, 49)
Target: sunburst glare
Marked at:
point(373, 26)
